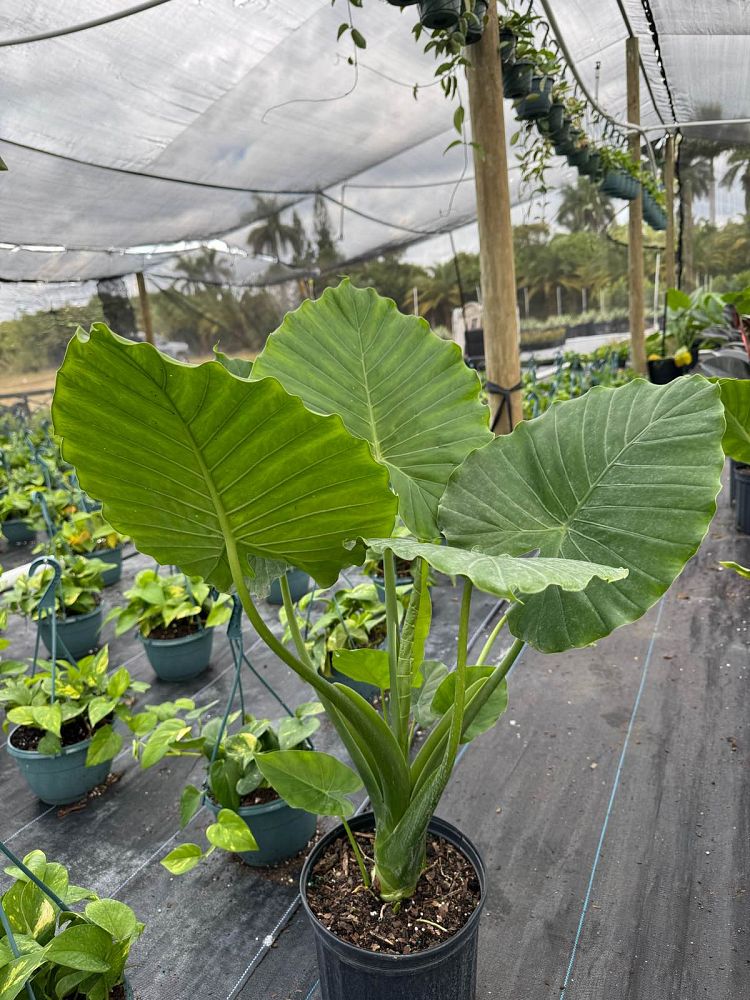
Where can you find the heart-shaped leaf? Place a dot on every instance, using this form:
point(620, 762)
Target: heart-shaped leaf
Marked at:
point(371, 666)
point(392, 382)
point(310, 780)
point(182, 859)
point(624, 476)
point(231, 833)
point(210, 472)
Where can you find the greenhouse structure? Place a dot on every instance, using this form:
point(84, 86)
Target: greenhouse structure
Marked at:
point(375, 500)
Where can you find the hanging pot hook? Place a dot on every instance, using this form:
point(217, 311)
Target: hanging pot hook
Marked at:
point(47, 600)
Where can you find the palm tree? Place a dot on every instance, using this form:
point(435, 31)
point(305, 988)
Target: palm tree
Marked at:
point(696, 177)
point(584, 207)
point(438, 293)
point(271, 236)
point(739, 169)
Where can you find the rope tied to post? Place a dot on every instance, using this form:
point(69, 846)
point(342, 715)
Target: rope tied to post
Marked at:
point(506, 400)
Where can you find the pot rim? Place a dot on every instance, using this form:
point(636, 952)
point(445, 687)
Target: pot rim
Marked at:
point(276, 805)
point(181, 641)
point(34, 754)
point(391, 963)
point(72, 619)
point(97, 553)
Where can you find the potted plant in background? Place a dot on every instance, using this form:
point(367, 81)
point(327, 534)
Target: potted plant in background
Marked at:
point(64, 739)
point(20, 516)
point(574, 508)
point(86, 533)
point(59, 951)
point(675, 351)
point(251, 818)
point(517, 50)
point(77, 602)
point(299, 584)
point(176, 616)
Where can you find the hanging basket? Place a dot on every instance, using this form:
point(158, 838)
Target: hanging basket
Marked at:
point(579, 158)
point(592, 167)
point(180, 659)
point(517, 81)
point(280, 831)
point(507, 49)
point(436, 14)
point(113, 558)
point(61, 778)
point(558, 124)
point(78, 634)
point(299, 584)
point(18, 532)
point(475, 31)
point(538, 100)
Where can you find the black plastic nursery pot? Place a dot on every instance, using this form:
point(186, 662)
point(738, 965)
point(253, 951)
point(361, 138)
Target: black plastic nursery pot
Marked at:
point(592, 166)
point(446, 972)
point(299, 584)
point(537, 102)
point(18, 532)
point(558, 126)
point(507, 48)
point(664, 370)
point(475, 31)
point(113, 558)
point(280, 831)
point(742, 497)
point(733, 466)
point(180, 659)
point(439, 13)
point(78, 633)
point(62, 778)
point(368, 691)
point(518, 78)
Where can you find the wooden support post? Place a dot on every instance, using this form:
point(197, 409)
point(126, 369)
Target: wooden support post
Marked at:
point(145, 308)
point(635, 227)
point(669, 252)
point(499, 317)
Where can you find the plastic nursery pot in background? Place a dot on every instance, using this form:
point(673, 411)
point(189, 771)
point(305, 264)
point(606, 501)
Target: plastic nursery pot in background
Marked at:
point(517, 81)
point(180, 659)
point(62, 778)
point(299, 584)
point(507, 48)
point(742, 497)
point(18, 532)
point(537, 102)
point(558, 126)
point(475, 31)
point(733, 466)
point(78, 633)
point(439, 13)
point(113, 558)
point(368, 691)
point(280, 831)
point(446, 971)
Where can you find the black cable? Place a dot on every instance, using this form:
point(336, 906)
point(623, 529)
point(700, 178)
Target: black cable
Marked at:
point(85, 26)
point(651, 21)
point(680, 212)
point(644, 74)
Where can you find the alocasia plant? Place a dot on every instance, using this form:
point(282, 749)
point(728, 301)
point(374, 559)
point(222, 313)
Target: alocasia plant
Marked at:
point(351, 412)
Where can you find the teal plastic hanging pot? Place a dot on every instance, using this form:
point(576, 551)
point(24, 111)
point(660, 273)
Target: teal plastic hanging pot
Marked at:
point(62, 778)
point(299, 584)
point(128, 990)
point(280, 831)
point(439, 13)
point(379, 582)
point(18, 532)
point(517, 81)
point(558, 126)
point(113, 558)
point(78, 633)
point(180, 659)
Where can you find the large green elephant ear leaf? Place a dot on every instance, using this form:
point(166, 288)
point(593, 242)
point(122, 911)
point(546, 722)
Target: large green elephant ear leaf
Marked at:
point(392, 382)
point(625, 477)
point(502, 575)
point(735, 395)
point(213, 473)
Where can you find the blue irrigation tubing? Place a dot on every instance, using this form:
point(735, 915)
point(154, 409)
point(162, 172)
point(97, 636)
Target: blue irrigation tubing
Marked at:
point(610, 804)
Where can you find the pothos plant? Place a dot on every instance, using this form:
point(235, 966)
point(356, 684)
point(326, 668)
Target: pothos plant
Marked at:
point(232, 758)
point(80, 702)
point(157, 604)
point(78, 592)
point(62, 953)
point(351, 413)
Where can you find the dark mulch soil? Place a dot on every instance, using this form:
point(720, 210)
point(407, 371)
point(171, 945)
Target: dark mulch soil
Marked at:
point(403, 569)
point(75, 731)
point(176, 630)
point(447, 894)
point(378, 635)
point(118, 993)
point(259, 797)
